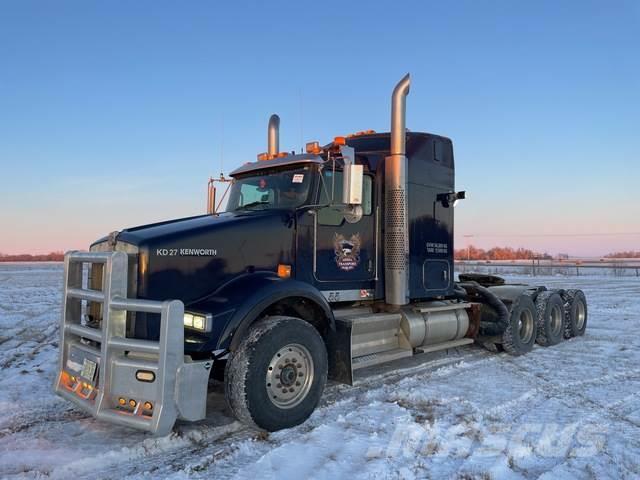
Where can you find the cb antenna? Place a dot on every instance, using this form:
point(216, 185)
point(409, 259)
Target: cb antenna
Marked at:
point(301, 123)
point(221, 145)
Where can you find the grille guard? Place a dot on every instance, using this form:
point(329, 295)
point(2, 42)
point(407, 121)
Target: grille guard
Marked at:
point(179, 385)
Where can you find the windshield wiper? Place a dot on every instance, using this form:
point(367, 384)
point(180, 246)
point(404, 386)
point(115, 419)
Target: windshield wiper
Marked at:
point(252, 204)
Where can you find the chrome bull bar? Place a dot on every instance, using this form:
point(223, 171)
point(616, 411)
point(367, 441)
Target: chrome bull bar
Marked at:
point(131, 382)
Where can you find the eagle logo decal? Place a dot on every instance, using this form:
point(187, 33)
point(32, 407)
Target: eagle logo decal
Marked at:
point(347, 251)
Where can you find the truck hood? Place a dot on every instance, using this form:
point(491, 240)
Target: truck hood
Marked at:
point(153, 231)
point(190, 258)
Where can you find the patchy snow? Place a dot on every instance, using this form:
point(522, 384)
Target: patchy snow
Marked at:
point(569, 411)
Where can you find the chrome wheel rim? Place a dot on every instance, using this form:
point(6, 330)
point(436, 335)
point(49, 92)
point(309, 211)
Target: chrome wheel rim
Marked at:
point(581, 315)
point(556, 320)
point(525, 326)
point(289, 375)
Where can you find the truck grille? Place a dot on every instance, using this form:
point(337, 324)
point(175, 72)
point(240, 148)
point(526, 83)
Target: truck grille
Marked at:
point(94, 310)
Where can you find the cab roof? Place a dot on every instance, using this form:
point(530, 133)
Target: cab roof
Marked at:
point(304, 158)
point(370, 149)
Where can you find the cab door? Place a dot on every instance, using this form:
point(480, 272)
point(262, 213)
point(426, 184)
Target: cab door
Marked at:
point(345, 248)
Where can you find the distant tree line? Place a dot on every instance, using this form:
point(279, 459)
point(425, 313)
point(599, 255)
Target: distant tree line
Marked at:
point(25, 257)
point(498, 253)
point(629, 254)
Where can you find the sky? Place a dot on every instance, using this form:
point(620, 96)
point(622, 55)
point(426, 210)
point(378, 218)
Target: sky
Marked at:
point(115, 114)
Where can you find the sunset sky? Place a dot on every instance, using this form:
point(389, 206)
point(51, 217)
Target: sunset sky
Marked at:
point(114, 114)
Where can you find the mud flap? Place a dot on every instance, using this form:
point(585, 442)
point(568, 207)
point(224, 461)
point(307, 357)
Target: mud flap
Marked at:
point(191, 394)
point(339, 350)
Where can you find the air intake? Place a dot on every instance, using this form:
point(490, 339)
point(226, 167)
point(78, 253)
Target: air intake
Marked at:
point(273, 136)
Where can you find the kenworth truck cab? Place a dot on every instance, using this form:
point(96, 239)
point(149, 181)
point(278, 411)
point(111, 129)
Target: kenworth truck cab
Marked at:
point(323, 263)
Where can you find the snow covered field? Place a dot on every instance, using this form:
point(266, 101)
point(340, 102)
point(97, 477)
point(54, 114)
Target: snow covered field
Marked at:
point(570, 411)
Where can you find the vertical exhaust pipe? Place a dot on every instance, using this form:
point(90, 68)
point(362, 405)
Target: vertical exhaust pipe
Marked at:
point(396, 240)
point(399, 116)
point(273, 136)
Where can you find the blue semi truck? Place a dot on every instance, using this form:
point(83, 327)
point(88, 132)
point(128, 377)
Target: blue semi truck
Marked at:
point(323, 263)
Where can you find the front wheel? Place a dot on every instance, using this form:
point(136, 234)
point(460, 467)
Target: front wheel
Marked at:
point(275, 378)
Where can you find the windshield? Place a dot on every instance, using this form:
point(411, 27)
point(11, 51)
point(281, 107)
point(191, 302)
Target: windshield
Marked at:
point(276, 188)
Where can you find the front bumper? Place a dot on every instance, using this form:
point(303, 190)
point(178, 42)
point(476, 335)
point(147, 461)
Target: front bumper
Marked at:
point(131, 382)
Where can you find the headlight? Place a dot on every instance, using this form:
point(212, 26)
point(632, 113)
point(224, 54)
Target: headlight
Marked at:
point(198, 321)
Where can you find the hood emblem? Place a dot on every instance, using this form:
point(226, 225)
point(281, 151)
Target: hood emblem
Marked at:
point(113, 239)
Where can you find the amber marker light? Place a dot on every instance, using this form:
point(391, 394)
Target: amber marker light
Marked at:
point(147, 375)
point(313, 147)
point(284, 271)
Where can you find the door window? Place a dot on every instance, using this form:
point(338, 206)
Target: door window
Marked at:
point(332, 182)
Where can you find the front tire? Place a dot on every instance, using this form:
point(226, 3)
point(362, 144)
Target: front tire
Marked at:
point(275, 378)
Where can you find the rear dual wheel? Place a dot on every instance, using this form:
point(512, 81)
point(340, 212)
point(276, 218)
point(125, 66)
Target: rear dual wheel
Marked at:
point(520, 335)
point(553, 317)
point(575, 308)
point(550, 318)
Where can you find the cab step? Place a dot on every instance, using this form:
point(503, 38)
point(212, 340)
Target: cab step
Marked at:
point(378, 358)
point(445, 345)
point(368, 318)
point(364, 339)
point(373, 333)
point(444, 308)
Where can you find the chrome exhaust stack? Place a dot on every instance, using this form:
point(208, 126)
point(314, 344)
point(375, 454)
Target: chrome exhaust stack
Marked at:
point(273, 136)
point(396, 240)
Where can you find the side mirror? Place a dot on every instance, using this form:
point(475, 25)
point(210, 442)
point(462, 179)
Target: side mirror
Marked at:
point(450, 199)
point(353, 176)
